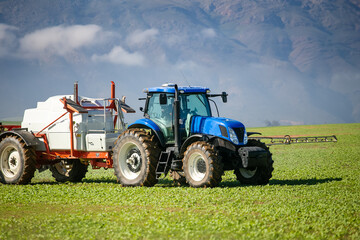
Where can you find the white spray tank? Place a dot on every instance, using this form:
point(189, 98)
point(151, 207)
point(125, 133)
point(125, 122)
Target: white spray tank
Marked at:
point(95, 128)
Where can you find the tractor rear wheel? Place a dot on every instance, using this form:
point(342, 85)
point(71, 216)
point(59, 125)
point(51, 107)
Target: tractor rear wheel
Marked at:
point(17, 161)
point(256, 175)
point(179, 178)
point(202, 166)
point(69, 170)
point(135, 157)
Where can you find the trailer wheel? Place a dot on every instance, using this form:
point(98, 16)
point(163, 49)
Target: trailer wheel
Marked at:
point(202, 166)
point(179, 178)
point(135, 158)
point(257, 175)
point(17, 161)
point(71, 170)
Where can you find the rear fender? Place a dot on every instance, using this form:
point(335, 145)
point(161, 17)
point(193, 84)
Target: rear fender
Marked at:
point(28, 138)
point(148, 124)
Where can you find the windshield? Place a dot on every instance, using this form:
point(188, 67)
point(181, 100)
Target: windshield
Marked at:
point(194, 104)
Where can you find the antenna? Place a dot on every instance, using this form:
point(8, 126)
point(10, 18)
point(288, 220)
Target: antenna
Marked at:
point(182, 73)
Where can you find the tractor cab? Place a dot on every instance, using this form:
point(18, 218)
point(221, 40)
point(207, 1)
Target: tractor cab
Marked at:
point(194, 116)
point(193, 101)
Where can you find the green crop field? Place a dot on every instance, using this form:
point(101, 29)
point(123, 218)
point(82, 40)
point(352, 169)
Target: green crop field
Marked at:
point(314, 194)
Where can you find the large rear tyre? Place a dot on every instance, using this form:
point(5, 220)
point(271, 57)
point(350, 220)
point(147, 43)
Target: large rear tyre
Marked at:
point(202, 166)
point(17, 161)
point(179, 178)
point(69, 170)
point(135, 157)
point(256, 175)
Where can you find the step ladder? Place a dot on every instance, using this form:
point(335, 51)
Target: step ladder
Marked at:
point(164, 164)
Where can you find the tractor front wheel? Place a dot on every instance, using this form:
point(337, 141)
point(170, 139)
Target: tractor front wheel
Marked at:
point(135, 158)
point(69, 170)
point(256, 175)
point(202, 166)
point(17, 161)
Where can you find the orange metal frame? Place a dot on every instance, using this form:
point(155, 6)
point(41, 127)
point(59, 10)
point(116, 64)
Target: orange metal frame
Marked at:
point(97, 159)
point(8, 127)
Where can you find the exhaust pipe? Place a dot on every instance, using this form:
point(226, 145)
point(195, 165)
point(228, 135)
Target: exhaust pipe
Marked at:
point(176, 122)
point(112, 89)
point(76, 92)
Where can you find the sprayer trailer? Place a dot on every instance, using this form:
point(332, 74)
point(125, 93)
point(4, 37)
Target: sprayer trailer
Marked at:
point(65, 134)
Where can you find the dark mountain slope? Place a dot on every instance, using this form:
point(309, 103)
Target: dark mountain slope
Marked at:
point(305, 51)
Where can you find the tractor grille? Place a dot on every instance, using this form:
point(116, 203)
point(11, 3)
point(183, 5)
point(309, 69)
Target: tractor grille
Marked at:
point(224, 132)
point(239, 133)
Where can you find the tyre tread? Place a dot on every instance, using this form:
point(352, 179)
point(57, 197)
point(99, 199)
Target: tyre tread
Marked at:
point(151, 150)
point(29, 157)
point(215, 165)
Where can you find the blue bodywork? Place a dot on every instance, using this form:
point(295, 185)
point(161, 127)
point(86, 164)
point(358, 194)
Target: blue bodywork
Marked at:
point(202, 125)
point(147, 123)
point(171, 89)
point(211, 126)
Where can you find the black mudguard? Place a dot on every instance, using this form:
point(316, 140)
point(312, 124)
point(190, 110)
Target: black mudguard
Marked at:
point(28, 138)
point(253, 157)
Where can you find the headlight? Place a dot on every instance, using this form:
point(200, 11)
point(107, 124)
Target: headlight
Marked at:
point(245, 137)
point(233, 137)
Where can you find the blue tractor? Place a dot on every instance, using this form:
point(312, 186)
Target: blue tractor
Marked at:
point(178, 134)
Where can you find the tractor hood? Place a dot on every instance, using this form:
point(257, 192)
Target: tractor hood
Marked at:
point(231, 130)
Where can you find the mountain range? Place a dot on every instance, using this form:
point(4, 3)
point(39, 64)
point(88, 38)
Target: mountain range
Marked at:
point(282, 62)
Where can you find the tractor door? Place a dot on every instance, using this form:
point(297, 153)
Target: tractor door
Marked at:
point(160, 110)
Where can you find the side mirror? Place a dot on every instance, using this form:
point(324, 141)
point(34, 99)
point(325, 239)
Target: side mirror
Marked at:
point(163, 99)
point(141, 109)
point(224, 97)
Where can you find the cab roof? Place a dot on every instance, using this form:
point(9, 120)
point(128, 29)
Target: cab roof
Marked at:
point(170, 88)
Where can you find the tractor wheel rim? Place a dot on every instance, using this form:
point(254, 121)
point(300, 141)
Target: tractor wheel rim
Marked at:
point(197, 167)
point(247, 173)
point(130, 161)
point(10, 162)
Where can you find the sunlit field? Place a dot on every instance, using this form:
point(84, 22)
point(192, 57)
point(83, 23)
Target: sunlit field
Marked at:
point(313, 194)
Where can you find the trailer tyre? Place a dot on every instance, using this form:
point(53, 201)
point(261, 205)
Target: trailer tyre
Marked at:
point(135, 157)
point(69, 170)
point(258, 175)
point(202, 166)
point(17, 161)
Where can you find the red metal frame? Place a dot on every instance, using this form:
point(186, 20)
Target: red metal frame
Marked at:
point(8, 127)
point(97, 159)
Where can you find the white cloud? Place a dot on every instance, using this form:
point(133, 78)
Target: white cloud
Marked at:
point(139, 37)
point(118, 55)
point(173, 40)
point(186, 65)
point(208, 32)
point(7, 39)
point(59, 40)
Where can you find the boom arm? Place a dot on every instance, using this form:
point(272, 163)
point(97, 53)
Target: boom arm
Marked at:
point(287, 139)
